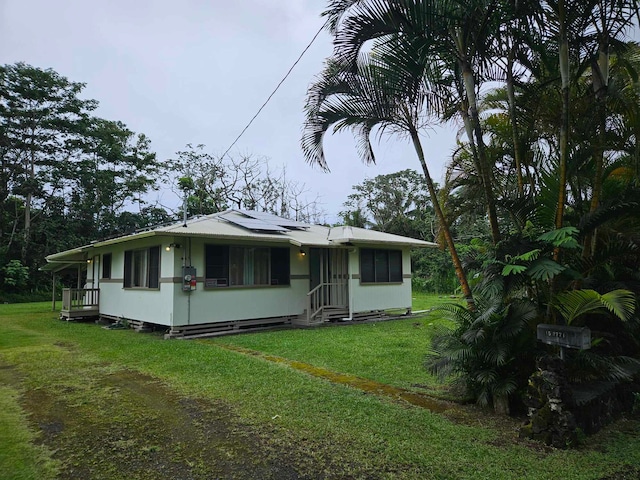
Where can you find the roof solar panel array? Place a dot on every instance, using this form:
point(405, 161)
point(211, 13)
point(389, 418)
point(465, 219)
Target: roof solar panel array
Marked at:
point(252, 223)
point(274, 219)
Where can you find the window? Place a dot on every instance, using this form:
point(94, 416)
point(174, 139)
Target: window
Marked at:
point(142, 268)
point(106, 265)
point(380, 266)
point(234, 266)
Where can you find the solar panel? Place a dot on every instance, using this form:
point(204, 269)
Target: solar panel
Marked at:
point(274, 219)
point(252, 223)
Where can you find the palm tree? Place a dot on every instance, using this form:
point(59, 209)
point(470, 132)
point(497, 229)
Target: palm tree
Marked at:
point(453, 33)
point(371, 97)
point(557, 145)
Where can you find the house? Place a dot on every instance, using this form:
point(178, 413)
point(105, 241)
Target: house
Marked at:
point(238, 270)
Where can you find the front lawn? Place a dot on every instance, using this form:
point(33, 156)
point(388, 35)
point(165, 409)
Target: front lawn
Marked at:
point(114, 387)
point(390, 352)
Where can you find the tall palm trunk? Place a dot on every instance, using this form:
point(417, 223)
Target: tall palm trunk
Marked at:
point(457, 264)
point(515, 135)
point(484, 170)
point(601, 95)
point(563, 59)
point(600, 86)
point(564, 122)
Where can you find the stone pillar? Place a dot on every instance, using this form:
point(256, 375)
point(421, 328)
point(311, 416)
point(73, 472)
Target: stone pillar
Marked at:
point(549, 400)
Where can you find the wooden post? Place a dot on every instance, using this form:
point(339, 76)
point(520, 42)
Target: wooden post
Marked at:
point(79, 275)
point(53, 293)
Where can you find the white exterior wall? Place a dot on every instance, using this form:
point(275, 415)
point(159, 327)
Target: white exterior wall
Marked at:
point(222, 304)
point(171, 306)
point(145, 304)
point(380, 296)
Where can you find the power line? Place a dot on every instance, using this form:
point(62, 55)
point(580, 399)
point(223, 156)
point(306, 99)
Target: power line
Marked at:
point(274, 91)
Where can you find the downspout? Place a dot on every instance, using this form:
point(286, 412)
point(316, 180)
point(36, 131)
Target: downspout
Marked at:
point(350, 278)
point(189, 291)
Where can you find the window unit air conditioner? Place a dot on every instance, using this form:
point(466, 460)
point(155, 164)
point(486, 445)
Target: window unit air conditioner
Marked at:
point(216, 282)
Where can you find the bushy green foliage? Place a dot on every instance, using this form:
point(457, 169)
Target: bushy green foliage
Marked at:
point(491, 349)
point(433, 271)
point(16, 275)
point(26, 297)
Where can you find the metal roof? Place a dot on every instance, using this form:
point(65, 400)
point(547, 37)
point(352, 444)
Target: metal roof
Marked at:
point(235, 225)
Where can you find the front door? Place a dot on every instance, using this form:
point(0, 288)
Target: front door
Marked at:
point(315, 267)
point(329, 267)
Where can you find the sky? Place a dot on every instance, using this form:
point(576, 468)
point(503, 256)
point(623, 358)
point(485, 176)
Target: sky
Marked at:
point(196, 71)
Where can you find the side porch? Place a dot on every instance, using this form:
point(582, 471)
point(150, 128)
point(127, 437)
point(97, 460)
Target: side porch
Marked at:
point(80, 303)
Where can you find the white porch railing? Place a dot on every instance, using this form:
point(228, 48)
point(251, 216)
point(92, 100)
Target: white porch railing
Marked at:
point(325, 295)
point(80, 299)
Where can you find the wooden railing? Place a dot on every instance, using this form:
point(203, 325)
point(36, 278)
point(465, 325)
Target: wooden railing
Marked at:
point(324, 295)
point(74, 299)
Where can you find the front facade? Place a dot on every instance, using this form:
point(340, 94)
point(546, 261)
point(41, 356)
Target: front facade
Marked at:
point(240, 266)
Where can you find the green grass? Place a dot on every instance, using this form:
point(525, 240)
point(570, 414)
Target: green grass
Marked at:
point(20, 458)
point(390, 352)
point(310, 417)
point(427, 301)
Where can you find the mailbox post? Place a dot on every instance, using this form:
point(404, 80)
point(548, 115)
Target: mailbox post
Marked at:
point(564, 336)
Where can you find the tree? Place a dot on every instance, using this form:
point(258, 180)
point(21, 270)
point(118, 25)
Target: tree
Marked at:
point(413, 37)
point(67, 177)
point(40, 112)
point(112, 169)
point(361, 99)
point(556, 144)
point(396, 203)
point(215, 184)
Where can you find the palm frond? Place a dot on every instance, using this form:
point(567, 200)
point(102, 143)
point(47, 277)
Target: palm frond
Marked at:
point(622, 303)
point(575, 303)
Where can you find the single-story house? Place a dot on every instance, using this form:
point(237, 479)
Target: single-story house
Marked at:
point(238, 269)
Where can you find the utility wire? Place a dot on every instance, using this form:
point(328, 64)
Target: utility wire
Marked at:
point(274, 91)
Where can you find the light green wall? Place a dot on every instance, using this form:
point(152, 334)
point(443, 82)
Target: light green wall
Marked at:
point(237, 303)
point(367, 297)
point(169, 305)
point(148, 305)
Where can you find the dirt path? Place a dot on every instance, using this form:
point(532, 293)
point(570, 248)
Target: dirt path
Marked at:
point(128, 425)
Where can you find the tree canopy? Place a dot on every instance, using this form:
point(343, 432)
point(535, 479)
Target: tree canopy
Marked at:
point(546, 168)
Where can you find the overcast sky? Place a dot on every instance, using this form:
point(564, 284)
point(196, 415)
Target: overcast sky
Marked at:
point(196, 71)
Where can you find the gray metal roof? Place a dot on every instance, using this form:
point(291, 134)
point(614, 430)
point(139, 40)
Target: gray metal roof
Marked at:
point(241, 225)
